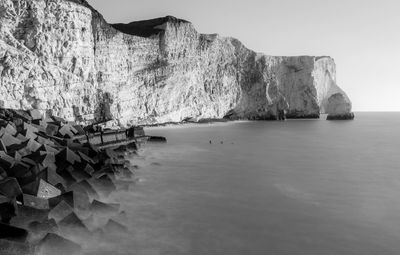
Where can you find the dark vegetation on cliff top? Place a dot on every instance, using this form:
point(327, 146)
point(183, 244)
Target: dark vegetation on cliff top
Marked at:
point(146, 28)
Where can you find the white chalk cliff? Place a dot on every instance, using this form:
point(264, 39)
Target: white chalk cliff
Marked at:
point(62, 56)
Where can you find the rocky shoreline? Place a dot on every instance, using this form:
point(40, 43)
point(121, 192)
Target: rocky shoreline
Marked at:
point(344, 116)
point(54, 185)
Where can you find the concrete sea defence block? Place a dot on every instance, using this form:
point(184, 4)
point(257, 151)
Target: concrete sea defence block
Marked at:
point(15, 248)
point(10, 188)
point(12, 233)
point(61, 211)
point(50, 181)
point(55, 244)
point(36, 202)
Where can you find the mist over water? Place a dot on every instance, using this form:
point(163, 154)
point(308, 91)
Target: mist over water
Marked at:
point(295, 187)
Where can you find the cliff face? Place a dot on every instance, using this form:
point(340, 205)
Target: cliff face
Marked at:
point(61, 56)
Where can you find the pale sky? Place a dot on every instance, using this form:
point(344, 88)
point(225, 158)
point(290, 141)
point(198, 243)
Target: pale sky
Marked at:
point(363, 36)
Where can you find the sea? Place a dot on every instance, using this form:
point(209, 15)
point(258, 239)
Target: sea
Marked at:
point(242, 188)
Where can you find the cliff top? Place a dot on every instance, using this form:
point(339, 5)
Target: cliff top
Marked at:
point(146, 28)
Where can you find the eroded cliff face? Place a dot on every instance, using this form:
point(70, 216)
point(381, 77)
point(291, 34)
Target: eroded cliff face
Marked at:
point(62, 56)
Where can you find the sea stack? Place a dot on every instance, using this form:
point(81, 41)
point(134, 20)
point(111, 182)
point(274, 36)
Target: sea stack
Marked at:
point(339, 107)
point(63, 57)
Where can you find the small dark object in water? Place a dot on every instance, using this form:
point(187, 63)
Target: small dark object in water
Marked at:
point(157, 139)
point(222, 142)
point(210, 142)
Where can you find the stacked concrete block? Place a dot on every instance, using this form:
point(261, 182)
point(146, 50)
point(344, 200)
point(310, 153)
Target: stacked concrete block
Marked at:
point(53, 182)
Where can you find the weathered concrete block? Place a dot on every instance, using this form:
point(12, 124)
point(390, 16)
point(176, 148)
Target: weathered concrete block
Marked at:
point(61, 211)
point(6, 161)
point(10, 188)
point(33, 145)
point(124, 172)
point(45, 141)
point(17, 156)
point(28, 161)
point(26, 214)
point(8, 210)
point(68, 178)
point(54, 178)
point(30, 185)
point(3, 174)
point(83, 195)
point(35, 114)
point(36, 202)
point(44, 227)
point(86, 158)
point(73, 223)
point(15, 248)
point(40, 128)
point(52, 129)
point(89, 169)
point(49, 161)
point(3, 147)
point(68, 130)
point(9, 140)
point(79, 130)
point(17, 146)
point(19, 169)
point(104, 208)
point(12, 233)
point(58, 119)
point(48, 149)
point(36, 156)
point(21, 137)
point(67, 197)
point(103, 185)
point(23, 115)
point(54, 244)
point(46, 190)
point(4, 199)
point(28, 126)
point(2, 129)
point(114, 227)
point(122, 216)
point(30, 133)
point(67, 155)
point(10, 129)
point(80, 175)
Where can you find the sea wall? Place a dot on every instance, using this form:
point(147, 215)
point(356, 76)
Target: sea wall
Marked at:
point(62, 56)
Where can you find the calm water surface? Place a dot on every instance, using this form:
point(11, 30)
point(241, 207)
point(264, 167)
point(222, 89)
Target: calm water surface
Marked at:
point(295, 187)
